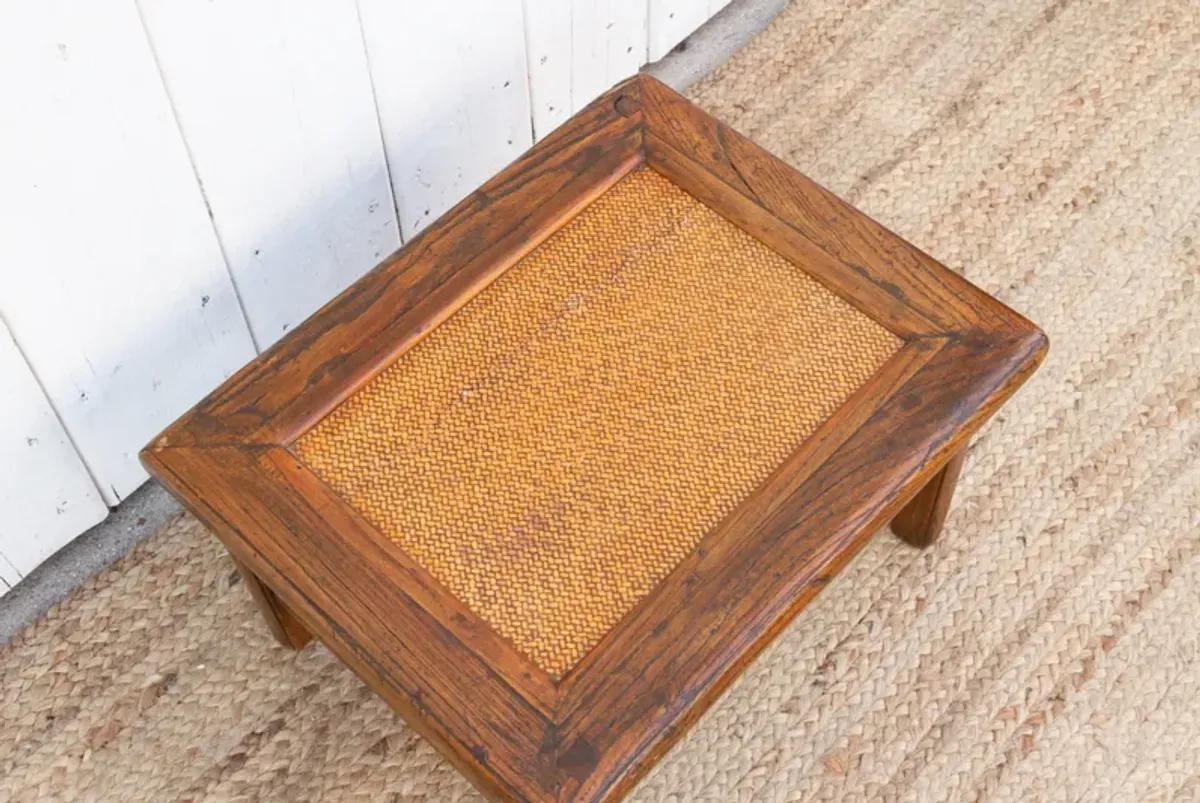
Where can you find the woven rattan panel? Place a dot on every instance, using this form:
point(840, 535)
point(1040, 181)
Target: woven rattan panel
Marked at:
point(557, 446)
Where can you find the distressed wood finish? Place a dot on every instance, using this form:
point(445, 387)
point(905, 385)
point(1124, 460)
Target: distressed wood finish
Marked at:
point(890, 452)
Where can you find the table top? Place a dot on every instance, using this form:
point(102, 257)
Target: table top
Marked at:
point(555, 448)
point(553, 473)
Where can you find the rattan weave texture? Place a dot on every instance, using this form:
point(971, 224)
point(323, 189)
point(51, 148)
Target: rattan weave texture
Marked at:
point(557, 446)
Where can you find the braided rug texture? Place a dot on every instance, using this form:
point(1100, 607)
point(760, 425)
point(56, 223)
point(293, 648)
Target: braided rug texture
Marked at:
point(1046, 648)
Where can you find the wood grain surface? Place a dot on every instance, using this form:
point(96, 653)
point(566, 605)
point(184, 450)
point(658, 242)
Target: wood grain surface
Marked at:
point(921, 520)
point(515, 732)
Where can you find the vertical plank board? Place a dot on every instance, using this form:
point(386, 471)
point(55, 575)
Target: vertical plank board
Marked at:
point(9, 576)
point(550, 55)
point(609, 47)
point(275, 105)
point(452, 94)
point(111, 279)
point(589, 49)
point(46, 495)
point(627, 26)
point(671, 21)
point(577, 50)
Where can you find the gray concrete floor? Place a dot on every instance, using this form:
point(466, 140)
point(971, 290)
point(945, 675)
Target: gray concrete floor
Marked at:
point(146, 510)
point(714, 42)
point(137, 518)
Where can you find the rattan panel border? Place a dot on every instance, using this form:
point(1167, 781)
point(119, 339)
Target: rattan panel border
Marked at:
point(557, 446)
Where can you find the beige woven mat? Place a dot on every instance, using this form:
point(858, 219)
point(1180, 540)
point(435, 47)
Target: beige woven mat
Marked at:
point(1045, 649)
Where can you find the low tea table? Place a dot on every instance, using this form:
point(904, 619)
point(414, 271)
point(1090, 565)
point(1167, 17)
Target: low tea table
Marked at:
point(553, 474)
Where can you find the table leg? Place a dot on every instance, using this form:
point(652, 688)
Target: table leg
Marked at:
point(286, 628)
point(921, 520)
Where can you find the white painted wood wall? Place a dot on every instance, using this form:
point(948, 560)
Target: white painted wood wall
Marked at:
point(182, 181)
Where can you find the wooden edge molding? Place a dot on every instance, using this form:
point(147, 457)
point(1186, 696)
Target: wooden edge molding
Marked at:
point(308, 371)
point(729, 535)
point(522, 675)
point(337, 583)
point(317, 566)
point(697, 150)
point(635, 693)
point(720, 611)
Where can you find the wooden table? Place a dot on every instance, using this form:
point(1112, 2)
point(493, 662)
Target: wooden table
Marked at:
point(554, 473)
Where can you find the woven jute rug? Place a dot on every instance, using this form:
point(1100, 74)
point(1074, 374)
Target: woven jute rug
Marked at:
point(1045, 649)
